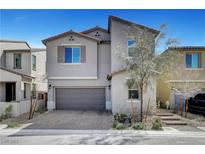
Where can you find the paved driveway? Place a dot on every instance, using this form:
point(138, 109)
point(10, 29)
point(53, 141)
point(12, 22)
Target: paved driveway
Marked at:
point(60, 119)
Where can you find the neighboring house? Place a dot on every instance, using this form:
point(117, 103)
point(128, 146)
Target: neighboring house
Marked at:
point(188, 72)
point(38, 70)
point(84, 72)
point(17, 75)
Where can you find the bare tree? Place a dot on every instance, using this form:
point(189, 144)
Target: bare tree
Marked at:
point(143, 64)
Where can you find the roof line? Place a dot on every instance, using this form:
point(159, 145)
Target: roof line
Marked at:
point(14, 41)
point(186, 48)
point(67, 33)
point(129, 23)
point(93, 29)
point(11, 71)
point(37, 49)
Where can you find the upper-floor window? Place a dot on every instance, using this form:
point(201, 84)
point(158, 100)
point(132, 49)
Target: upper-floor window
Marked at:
point(193, 60)
point(131, 47)
point(72, 55)
point(17, 61)
point(34, 62)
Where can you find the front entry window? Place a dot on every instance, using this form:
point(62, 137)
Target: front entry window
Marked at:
point(10, 92)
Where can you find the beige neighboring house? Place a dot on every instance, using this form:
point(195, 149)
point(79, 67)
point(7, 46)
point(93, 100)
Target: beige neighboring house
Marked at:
point(187, 75)
point(17, 76)
point(85, 73)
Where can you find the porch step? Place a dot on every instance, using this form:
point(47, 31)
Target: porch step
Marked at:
point(165, 114)
point(174, 122)
point(171, 118)
point(2, 126)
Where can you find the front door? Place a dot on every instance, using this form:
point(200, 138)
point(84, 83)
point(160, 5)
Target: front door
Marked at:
point(10, 92)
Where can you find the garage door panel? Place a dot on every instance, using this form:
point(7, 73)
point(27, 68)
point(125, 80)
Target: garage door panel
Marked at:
point(82, 99)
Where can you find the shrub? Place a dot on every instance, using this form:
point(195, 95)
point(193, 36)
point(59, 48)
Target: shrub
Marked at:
point(120, 117)
point(40, 109)
point(157, 124)
point(8, 109)
point(12, 125)
point(120, 126)
point(7, 112)
point(4, 116)
point(139, 126)
point(114, 124)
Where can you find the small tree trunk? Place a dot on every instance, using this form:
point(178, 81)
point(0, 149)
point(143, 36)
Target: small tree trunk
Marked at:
point(181, 106)
point(34, 107)
point(147, 110)
point(141, 95)
point(186, 107)
point(31, 106)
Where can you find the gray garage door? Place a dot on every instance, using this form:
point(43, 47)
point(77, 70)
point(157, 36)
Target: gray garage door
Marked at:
point(80, 99)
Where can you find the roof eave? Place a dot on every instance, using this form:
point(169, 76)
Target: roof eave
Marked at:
point(67, 33)
point(14, 41)
point(129, 23)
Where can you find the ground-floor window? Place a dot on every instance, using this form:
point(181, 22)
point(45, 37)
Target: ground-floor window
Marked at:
point(133, 94)
point(24, 92)
point(40, 96)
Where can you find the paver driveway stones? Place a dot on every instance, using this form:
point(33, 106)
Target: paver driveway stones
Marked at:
point(76, 120)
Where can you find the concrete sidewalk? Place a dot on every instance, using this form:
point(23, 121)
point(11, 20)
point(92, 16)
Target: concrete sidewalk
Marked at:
point(102, 137)
point(46, 132)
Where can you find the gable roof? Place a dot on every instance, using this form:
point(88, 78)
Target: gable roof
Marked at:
point(11, 71)
point(114, 18)
point(187, 48)
point(68, 33)
point(15, 41)
point(96, 28)
point(37, 49)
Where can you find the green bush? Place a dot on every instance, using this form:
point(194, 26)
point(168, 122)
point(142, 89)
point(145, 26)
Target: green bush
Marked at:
point(4, 116)
point(12, 125)
point(139, 126)
point(7, 112)
point(114, 124)
point(8, 109)
point(40, 109)
point(157, 124)
point(120, 126)
point(120, 117)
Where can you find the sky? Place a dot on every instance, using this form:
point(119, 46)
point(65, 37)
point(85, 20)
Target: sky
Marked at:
point(35, 25)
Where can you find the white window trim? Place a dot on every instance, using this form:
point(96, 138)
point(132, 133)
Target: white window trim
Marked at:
point(134, 99)
point(187, 68)
point(15, 61)
point(35, 62)
point(129, 47)
point(195, 69)
point(72, 63)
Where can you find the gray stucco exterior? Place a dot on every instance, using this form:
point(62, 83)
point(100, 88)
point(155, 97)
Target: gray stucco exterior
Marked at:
point(101, 61)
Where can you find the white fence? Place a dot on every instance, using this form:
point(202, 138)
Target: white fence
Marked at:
point(18, 108)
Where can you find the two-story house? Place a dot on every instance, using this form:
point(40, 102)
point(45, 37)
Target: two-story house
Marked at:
point(186, 76)
point(85, 73)
point(21, 70)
